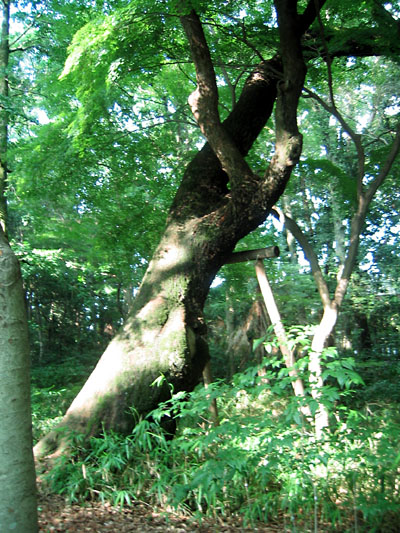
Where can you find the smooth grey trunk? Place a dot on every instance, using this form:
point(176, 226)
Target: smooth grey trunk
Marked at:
point(4, 114)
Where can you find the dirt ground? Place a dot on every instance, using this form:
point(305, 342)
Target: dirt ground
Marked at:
point(56, 515)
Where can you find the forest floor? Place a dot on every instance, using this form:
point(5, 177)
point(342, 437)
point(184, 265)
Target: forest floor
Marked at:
point(56, 515)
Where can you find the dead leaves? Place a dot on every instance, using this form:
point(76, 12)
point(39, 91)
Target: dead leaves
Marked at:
point(55, 515)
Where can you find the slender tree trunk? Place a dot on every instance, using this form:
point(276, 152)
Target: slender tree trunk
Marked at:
point(280, 332)
point(165, 332)
point(208, 379)
point(229, 325)
point(331, 306)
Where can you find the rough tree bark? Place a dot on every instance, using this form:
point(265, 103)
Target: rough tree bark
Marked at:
point(219, 201)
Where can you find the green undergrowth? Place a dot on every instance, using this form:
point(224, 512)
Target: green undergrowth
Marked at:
point(54, 386)
point(261, 462)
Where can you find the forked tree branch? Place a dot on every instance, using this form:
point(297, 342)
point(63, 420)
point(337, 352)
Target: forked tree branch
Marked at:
point(359, 217)
point(355, 137)
point(204, 104)
point(357, 223)
point(309, 252)
point(229, 149)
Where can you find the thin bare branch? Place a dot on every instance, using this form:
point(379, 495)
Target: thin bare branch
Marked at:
point(27, 29)
point(355, 137)
point(243, 38)
point(309, 253)
point(335, 111)
point(386, 167)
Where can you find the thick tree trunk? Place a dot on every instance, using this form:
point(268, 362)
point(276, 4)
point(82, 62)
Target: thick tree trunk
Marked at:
point(220, 200)
point(165, 333)
point(17, 472)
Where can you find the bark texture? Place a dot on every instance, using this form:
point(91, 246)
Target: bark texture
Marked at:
point(17, 472)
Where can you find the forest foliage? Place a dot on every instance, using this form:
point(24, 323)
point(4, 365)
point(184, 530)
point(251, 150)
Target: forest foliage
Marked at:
point(100, 131)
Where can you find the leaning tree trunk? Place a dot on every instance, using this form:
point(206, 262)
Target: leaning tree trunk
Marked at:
point(165, 332)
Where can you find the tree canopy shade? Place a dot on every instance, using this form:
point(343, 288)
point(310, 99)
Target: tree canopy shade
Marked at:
point(220, 198)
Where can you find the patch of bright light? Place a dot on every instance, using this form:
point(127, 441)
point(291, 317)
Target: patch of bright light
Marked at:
point(42, 116)
point(217, 282)
point(367, 262)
